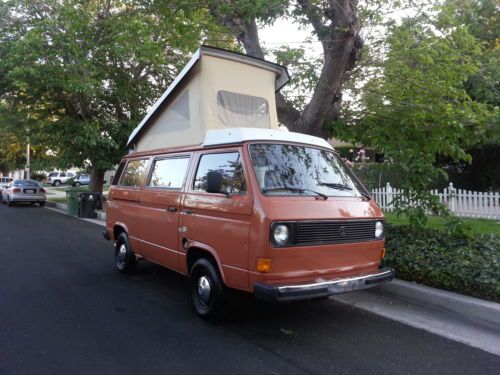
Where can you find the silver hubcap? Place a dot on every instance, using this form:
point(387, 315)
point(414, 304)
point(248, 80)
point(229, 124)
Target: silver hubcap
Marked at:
point(204, 289)
point(122, 253)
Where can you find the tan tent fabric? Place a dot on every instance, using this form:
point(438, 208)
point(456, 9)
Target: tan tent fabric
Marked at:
point(220, 93)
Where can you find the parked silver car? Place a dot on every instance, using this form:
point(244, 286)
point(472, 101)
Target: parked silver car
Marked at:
point(81, 179)
point(24, 191)
point(4, 181)
point(58, 178)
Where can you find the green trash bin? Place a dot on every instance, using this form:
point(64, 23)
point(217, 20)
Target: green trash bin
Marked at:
point(72, 200)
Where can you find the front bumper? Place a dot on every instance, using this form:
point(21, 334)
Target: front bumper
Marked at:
point(271, 292)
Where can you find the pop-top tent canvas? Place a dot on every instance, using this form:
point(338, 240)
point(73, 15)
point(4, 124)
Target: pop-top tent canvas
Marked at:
point(217, 89)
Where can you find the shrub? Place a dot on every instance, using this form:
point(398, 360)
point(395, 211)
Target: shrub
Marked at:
point(39, 176)
point(467, 265)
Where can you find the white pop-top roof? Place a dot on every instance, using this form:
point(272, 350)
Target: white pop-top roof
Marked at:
point(239, 135)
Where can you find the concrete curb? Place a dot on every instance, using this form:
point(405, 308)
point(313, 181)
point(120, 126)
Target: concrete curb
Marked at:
point(481, 311)
point(59, 206)
point(101, 216)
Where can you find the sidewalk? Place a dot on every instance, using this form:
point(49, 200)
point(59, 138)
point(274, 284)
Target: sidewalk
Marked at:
point(468, 320)
point(62, 208)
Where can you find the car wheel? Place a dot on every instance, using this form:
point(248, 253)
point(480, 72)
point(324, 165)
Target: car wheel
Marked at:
point(42, 203)
point(77, 184)
point(56, 183)
point(125, 260)
point(208, 292)
point(9, 202)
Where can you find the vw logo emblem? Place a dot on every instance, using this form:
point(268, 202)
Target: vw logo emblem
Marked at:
point(343, 231)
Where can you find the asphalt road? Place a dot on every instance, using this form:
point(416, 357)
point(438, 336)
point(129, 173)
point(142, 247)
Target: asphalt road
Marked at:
point(65, 310)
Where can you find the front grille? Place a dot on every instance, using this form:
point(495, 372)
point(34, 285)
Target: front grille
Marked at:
point(332, 232)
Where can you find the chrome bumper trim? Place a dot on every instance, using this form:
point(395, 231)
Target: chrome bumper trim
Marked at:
point(322, 289)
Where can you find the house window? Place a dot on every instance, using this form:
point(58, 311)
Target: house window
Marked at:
point(238, 110)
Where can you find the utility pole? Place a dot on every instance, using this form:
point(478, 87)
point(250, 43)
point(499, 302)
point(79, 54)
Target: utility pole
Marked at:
point(27, 169)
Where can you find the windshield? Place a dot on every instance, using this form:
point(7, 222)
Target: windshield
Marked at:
point(293, 169)
point(26, 183)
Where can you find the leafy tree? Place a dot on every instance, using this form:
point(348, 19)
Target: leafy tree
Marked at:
point(89, 69)
point(336, 26)
point(419, 108)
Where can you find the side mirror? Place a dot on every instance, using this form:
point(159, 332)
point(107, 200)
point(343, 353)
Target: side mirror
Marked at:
point(214, 182)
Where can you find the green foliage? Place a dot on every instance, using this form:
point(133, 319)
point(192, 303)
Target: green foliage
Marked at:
point(88, 70)
point(464, 264)
point(418, 108)
point(304, 72)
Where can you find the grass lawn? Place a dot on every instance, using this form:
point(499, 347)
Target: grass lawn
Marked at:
point(483, 226)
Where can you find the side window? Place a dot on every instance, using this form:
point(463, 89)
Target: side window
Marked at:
point(118, 173)
point(62, 175)
point(134, 173)
point(229, 165)
point(169, 173)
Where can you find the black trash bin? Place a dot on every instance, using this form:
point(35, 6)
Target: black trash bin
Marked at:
point(88, 203)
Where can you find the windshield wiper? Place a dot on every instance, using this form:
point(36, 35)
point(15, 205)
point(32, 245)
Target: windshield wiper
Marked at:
point(335, 185)
point(297, 190)
point(338, 186)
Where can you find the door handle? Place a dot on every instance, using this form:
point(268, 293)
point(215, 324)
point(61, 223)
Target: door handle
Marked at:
point(187, 212)
point(172, 209)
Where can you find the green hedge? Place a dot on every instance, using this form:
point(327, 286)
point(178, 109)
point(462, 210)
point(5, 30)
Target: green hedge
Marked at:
point(443, 260)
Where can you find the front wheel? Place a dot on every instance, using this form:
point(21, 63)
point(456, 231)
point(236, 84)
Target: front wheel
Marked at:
point(56, 183)
point(208, 292)
point(76, 184)
point(125, 260)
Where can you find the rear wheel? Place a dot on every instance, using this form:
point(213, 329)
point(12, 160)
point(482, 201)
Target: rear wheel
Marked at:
point(125, 260)
point(42, 203)
point(9, 202)
point(208, 292)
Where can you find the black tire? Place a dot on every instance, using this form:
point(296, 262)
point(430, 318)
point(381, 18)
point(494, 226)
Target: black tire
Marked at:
point(125, 260)
point(76, 184)
point(56, 183)
point(42, 203)
point(9, 202)
point(204, 277)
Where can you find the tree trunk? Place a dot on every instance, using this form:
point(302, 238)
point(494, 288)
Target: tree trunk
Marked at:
point(336, 25)
point(96, 179)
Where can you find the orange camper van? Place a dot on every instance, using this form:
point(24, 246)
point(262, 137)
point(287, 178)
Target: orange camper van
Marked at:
point(249, 206)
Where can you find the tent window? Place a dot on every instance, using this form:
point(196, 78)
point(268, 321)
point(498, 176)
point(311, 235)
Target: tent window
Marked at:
point(238, 110)
point(177, 115)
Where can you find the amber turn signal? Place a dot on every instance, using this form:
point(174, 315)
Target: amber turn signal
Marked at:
point(382, 253)
point(264, 265)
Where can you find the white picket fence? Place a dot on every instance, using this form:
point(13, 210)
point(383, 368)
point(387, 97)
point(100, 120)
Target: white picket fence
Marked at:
point(460, 202)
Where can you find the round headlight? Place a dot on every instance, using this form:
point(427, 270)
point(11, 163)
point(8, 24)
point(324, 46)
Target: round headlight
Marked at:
point(379, 229)
point(281, 234)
